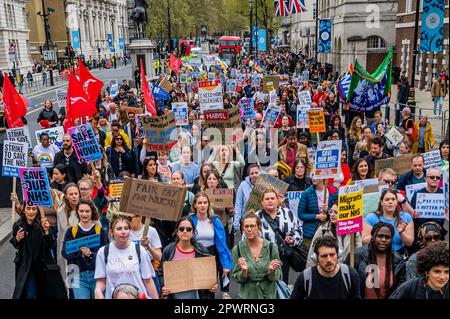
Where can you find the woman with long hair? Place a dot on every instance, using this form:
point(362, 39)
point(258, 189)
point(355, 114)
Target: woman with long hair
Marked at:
point(299, 181)
point(222, 160)
point(200, 180)
point(389, 212)
point(211, 234)
point(355, 134)
point(59, 177)
point(444, 149)
point(119, 156)
point(150, 170)
point(379, 264)
point(363, 146)
point(336, 124)
point(361, 170)
point(186, 246)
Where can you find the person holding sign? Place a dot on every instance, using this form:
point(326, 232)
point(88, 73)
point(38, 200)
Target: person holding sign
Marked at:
point(211, 234)
point(119, 156)
point(389, 212)
point(415, 176)
point(388, 177)
point(128, 263)
point(37, 274)
point(243, 193)
point(68, 157)
point(83, 259)
point(185, 247)
point(380, 269)
point(256, 262)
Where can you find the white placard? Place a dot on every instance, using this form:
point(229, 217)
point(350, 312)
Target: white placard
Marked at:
point(430, 205)
point(19, 134)
point(61, 97)
point(432, 159)
point(394, 136)
point(14, 156)
point(411, 189)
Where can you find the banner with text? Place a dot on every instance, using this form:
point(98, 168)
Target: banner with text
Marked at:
point(14, 157)
point(328, 159)
point(35, 186)
point(210, 95)
point(85, 143)
point(350, 216)
point(160, 131)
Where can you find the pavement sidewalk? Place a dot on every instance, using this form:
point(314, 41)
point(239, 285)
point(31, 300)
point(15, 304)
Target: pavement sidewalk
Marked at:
point(5, 225)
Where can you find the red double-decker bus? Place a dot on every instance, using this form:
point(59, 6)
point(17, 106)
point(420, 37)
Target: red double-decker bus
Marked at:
point(229, 48)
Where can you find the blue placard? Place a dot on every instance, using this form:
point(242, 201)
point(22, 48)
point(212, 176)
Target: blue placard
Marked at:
point(85, 143)
point(262, 40)
point(75, 39)
point(180, 112)
point(35, 186)
point(432, 30)
point(73, 246)
point(160, 93)
point(247, 105)
point(325, 35)
point(327, 159)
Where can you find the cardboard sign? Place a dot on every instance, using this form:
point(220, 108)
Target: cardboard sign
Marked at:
point(328, 159)
point(248, 108)
point(271, 115)
point(370, 202)
point(394, 136)
point(152, 199)
point(350, 216)
point(316, 121)
point(160, 131)
point(264, 182)
point(304, 98)
point(432, 159)
point(180, 112)
point(365, 183)
point(271, 82)
point(273, 97)
point(430, 205)
point(400, 164)
point(85, 143)
point(220, 197)
point(115, 189)
point(210, 95)
point(92, 241)
point(197, 273)
point(19, 134)
point(231, 86)
point(165, 84)
point(14, 156)
point(411, 189)
point(302, 116)
point(294, 199)
point(135, 110)
point(55, 135)
point(61, 97)
point(223, 120)
point(35, 186)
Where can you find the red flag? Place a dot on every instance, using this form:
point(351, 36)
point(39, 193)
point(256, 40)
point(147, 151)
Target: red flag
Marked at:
point(91, 85)
point(77, 103)
point(149, 100)
point(13, 105)
point(175, 63)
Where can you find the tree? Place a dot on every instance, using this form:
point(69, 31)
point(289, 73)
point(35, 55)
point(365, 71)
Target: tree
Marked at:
point(268, 19)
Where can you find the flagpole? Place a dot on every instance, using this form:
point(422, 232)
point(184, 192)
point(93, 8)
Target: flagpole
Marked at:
point(317, 30)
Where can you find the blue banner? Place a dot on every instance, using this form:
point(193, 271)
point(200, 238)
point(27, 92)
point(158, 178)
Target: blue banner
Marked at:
point(262, 40)
point(159, 93)
point(85, 143)
point(247, 106)
point(121, 44)
point(35, 186)
point(110, 39)
point(325, 35)
point(254, 35)
point(75, 39)
point(432, 30)
point(92, 241)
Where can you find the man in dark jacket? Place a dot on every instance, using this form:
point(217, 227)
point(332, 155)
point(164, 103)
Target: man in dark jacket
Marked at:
point(67, 157)
point(416, 175)
point(376, 151)
point(402, 98)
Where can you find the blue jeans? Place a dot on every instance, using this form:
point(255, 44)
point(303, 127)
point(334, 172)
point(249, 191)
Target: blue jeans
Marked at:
point(86, 287)
point(439, 99)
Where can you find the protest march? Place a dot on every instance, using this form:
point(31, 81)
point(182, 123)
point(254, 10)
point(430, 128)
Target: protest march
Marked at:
point(242, 179)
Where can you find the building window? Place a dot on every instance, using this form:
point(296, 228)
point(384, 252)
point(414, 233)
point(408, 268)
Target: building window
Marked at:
point(314, 11)
point(418, 58)
point(405, 57)
point(408, 6)
point(376, 42)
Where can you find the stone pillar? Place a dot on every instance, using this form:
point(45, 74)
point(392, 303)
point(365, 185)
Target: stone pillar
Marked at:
point(142, 49)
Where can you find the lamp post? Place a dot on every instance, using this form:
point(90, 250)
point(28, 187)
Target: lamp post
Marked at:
point(251, 28)
point(412, 92)
point(317, 31)
point(168, 26)
point(44, 15)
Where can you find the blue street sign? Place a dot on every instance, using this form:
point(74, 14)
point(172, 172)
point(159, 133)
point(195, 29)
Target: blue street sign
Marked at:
point(75, 39)
point(121, 44)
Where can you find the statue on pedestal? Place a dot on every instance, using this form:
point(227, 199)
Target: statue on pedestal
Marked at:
point(140, 17)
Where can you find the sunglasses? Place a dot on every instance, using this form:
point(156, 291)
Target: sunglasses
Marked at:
point(434, 177)
point(119, 139)
point(182, 229)
point(390, 182)
point(432, 237)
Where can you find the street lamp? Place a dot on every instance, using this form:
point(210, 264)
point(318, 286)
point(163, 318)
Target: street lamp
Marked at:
point(44, 15)
point(168, 26)
point(251, 28)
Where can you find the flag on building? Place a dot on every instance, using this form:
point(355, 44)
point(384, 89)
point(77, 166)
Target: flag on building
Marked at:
point(13, 105)
point(367, 92)
point(297, 6)
point(281, 8)
point(149, 100)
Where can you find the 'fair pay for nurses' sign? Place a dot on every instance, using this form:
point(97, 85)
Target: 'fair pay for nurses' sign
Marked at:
point(210, 95)
point(328, 159)
point(350, 216)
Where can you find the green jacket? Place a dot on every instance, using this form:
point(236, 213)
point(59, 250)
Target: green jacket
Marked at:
point(260, 283)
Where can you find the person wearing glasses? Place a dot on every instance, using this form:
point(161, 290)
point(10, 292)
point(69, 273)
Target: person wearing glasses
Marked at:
point(428, 232)
point(257, 265)
point(115, 131)
point(380, 268)
point(388, 176)
point(119, 156)
point(432, 178)
point(185, 247)
point(389, 212)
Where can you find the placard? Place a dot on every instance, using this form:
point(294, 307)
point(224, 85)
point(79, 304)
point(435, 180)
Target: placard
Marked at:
point(445, 190)
point(293, 198)
point(316, 121)
point(147, 198)
point(350, 216)
point(430, 205)
point(92, 241)
point(432, 159)
point(264, 182)
point(220, 197)
point(411, 189)
point(302, 116)
point(61, 97)
point(400, 164)
point(55, 135)
point(231, 86)
point(273, 97)
point(115, 189)
point(180, 112)
point(328, 159)
point(19, 134)
point(271, 82)
point(394, 136)
point(304, 98)
point(165, 84)
point(135, 110)
point(248, 108)
point(113, 88)
point(197, 273)
point(271, 115)
point(14, 157)
point(85, 143)
point(160, 131)
point(223, 120)
point(305, 75)
point(210, 95)
point(35, 186)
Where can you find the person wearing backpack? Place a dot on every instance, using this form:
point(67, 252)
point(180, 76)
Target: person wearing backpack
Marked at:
point(328, 279)
point(123, 261)
point(82, 261)
point(410, 127)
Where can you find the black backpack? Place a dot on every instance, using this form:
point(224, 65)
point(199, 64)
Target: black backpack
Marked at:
point(138, 252)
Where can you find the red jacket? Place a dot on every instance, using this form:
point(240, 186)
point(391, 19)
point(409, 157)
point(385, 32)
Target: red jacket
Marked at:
point(319, 96)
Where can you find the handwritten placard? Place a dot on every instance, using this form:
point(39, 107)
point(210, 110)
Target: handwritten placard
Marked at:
point(220, 197)
point(430, 205)
point(35, 186)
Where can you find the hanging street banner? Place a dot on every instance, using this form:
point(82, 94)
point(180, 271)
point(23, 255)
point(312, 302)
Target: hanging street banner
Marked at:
point(14, 156)
point(432, 29)
point(324, 35)
point(85, 143)
point(350, 217)
point(328, 159)
point(35, 186)
point(180, 112)
point(210, 95)
point(55, 135)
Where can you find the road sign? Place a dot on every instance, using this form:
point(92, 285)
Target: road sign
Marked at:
point(49, 55)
